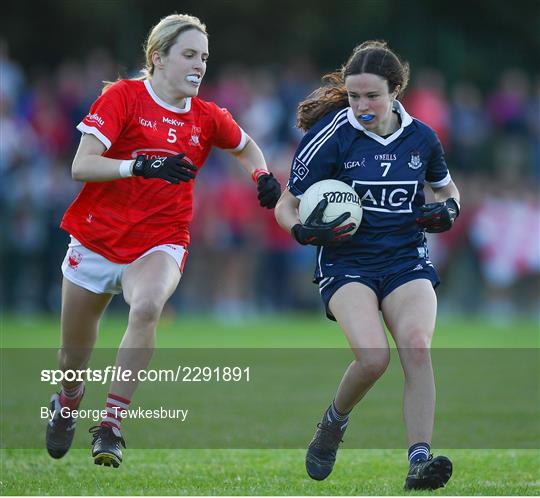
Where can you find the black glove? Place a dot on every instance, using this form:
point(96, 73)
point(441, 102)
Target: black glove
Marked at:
point(173, 169)
point(269, 190)
point(318, 233)
point(438, 216)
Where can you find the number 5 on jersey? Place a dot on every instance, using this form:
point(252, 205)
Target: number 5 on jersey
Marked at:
point(171, 136)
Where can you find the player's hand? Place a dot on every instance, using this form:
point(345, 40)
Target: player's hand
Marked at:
point(269, 190)
point(316, 232)
point(174, 169)
point(438, 216)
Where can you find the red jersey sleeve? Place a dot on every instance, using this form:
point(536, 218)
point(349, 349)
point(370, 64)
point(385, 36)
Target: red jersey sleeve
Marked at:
point(228, 134)
point(108, 114)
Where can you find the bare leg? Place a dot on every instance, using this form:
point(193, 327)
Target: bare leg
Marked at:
point(409, 312)
point(81, 313)
point(355, 308)
point(147, 283)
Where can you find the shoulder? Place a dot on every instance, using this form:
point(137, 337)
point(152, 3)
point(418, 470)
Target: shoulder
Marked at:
point(207, 107)
point(323, 139)
point(424, 130)
point(125, 88)
point(329, 122)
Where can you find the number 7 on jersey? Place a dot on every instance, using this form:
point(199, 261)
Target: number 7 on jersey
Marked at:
point(387, 167)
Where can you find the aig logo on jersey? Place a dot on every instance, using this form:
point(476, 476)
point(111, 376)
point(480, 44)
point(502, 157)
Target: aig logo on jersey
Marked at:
point(299, 169)
point(386, 197)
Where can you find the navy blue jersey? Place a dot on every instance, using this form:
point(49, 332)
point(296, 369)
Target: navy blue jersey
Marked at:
point(389, 175)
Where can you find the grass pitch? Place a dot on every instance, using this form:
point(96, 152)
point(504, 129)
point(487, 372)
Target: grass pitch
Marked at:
point(256, 471)
point(259, 472)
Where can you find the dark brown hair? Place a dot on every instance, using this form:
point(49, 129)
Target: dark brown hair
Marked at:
point(372, 57)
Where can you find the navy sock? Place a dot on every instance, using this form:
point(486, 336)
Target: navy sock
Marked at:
point(418, 452)
point(336, 417)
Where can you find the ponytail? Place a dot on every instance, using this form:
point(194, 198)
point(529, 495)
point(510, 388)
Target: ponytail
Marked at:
point(329, 97)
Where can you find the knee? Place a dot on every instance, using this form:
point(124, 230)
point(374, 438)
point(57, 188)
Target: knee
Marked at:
point(373, 363)
point(71, 358)
point(416, 346)
point(145, 312)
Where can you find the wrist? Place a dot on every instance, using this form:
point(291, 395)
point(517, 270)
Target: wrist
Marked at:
point(138, 166)
point(126, 169)
point(295, 232)
point(257, 173)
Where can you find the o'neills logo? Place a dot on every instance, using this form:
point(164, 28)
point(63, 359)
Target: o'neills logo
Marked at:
point(385, 157)
point(96, 117)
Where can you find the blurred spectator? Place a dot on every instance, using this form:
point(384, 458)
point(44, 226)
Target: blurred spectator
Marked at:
point(426, 101)
point(533, 124)
point(507, 105)
point(469, 128)
point(505, 231)
point(244, 263)
point(230, 90)
point(264, 113)
point(45, 114)
point(298, 80)
point(11, 76)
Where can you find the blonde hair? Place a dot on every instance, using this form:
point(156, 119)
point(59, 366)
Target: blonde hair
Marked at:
point(162, 37)
point(164, 34)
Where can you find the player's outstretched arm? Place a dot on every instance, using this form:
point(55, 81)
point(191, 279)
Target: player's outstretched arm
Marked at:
point(252, 159)
point(90, 166)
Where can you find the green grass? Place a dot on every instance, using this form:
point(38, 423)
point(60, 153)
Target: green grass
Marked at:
point(256, 472)
point(290, 331)
point(271, 471)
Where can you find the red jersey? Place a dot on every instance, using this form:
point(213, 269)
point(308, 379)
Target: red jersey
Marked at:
point(122, 219)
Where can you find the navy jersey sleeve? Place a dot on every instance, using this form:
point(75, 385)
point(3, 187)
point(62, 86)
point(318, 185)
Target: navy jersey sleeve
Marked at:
point(317, 155)
point(437, 174)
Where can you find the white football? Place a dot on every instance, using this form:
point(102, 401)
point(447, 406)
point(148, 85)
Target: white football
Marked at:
point(342, 198)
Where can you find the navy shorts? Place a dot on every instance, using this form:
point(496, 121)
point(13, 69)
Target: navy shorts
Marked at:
point(381, 285)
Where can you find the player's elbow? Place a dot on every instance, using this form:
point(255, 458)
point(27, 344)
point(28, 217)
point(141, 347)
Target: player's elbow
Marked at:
point(286, 210)
point(281, 208)
point(77, 171)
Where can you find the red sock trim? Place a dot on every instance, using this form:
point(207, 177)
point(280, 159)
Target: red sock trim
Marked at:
point(71, 402)
point(115, 397)
point(113, 418)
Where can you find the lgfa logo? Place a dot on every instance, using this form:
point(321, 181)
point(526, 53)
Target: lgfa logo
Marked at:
point(354, 164)
point(148, 123)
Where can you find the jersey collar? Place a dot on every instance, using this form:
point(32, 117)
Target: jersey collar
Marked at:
point(406, 120)
point(164, 104)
